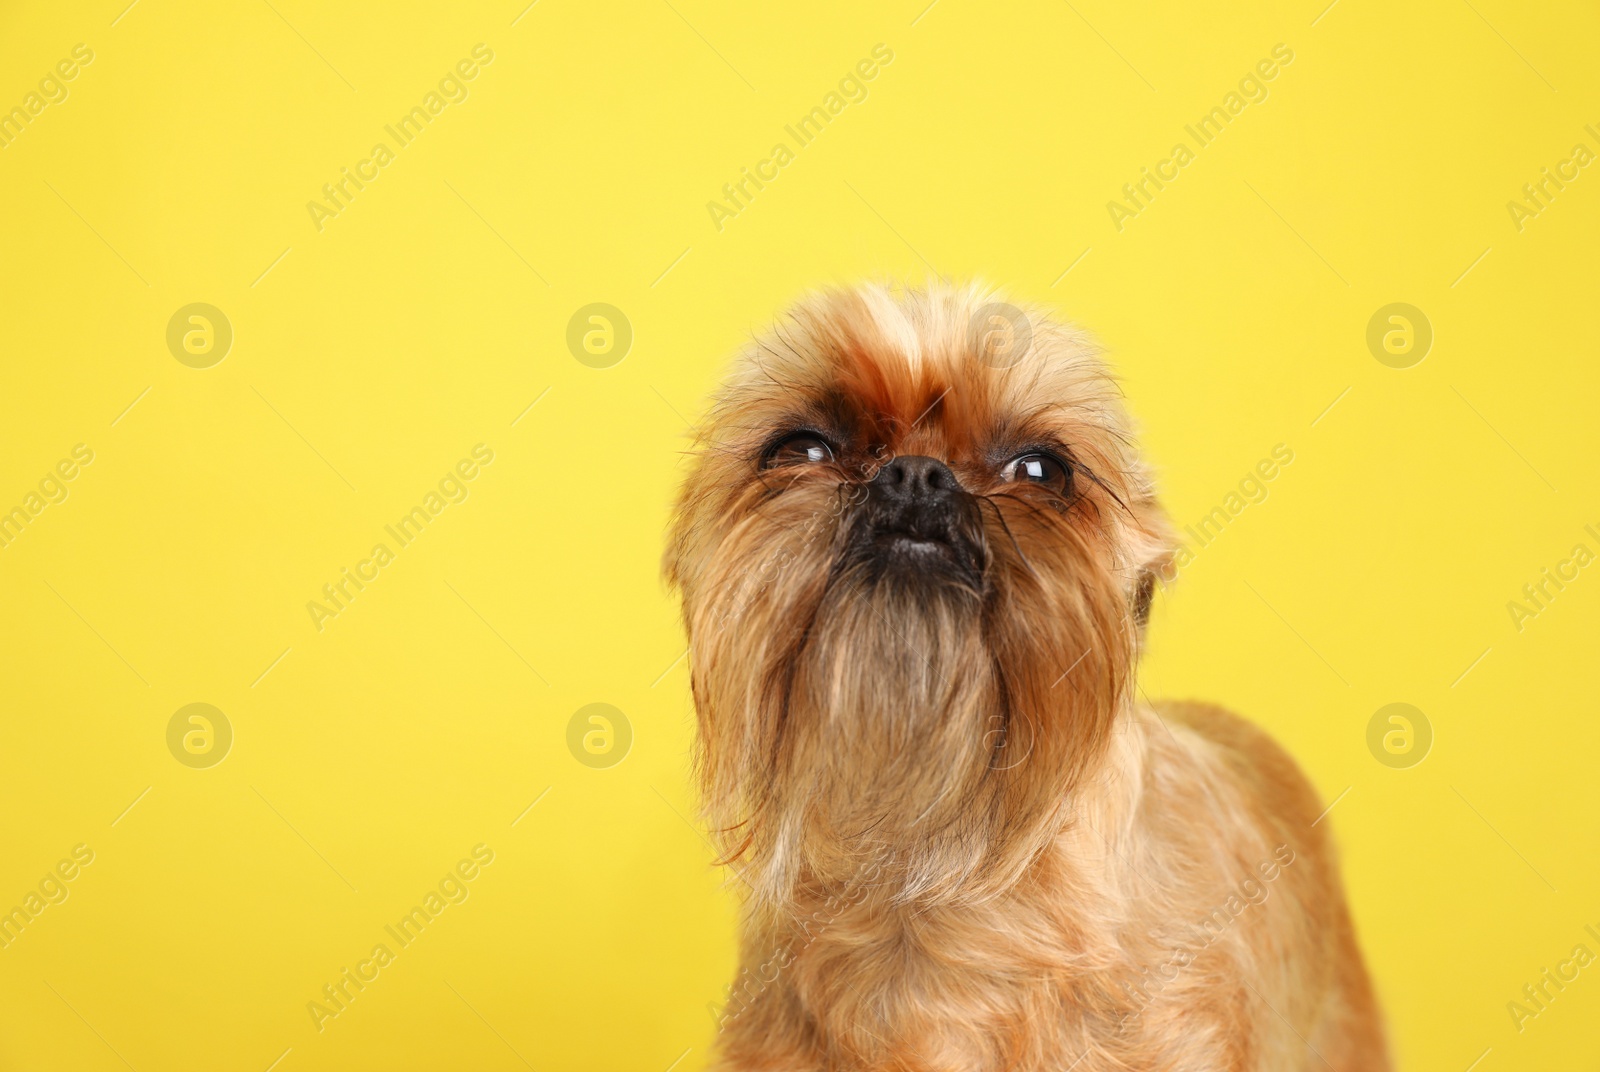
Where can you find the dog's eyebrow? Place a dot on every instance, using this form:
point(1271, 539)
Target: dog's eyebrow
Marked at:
point(828, 415)
point(1011, 437)
point(835, 406)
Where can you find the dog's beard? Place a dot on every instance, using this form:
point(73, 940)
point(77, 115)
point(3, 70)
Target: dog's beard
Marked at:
point(891, 732)
point(863, 706)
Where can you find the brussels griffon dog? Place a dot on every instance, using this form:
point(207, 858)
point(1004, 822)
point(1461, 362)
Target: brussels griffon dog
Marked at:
point(916, 552)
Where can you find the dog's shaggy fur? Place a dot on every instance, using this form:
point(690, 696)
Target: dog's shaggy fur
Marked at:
point(967, 846)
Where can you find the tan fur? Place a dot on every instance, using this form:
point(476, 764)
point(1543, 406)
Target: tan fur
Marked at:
point(967, 847)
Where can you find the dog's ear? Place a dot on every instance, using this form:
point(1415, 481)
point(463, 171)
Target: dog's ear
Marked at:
point(1144, 591)
point(1152, 546)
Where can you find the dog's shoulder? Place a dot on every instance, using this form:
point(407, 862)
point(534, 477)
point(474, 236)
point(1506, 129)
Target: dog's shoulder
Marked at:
point(1219, 726)
point(1247, 752)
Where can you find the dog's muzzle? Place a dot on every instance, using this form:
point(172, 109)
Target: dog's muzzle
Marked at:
point(917, 515)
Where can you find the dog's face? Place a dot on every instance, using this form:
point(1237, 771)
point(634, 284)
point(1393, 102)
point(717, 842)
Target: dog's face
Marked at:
point(915, 552)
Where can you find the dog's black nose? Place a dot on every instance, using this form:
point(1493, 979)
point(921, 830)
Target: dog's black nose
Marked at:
point(916, 478)
point(918, 519)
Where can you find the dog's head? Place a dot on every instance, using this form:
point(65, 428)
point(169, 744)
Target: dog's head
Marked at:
point(915, 553)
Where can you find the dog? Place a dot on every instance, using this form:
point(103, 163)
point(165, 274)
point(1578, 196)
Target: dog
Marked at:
point(916, 549)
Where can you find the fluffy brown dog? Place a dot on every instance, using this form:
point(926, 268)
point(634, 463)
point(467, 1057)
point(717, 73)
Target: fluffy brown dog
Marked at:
point(915, 553)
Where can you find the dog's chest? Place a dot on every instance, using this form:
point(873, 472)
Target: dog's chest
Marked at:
point(1002, 987)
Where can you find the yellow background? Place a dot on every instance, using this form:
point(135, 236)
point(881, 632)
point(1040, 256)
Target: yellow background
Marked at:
point(372, 355)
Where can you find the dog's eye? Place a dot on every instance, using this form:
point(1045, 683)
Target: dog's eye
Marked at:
point(1039, 468)
point(802, 448)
